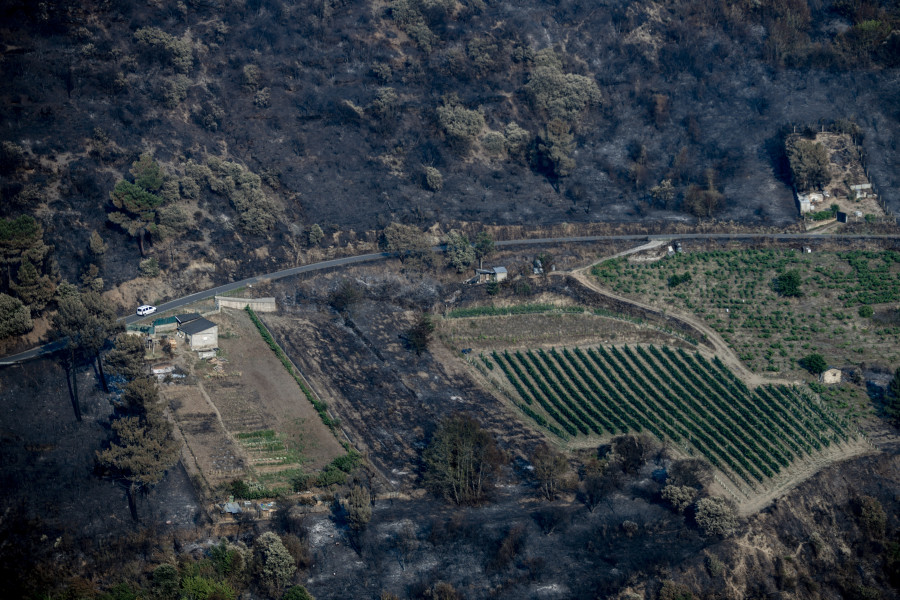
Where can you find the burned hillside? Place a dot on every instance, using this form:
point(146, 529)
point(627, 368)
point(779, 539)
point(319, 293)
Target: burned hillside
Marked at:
point(355, 114)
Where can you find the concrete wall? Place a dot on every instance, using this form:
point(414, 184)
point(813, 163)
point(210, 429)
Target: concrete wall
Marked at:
point(257, 304)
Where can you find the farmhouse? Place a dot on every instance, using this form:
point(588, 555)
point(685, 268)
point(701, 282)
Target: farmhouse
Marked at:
point(495, 274)
point(200, 334)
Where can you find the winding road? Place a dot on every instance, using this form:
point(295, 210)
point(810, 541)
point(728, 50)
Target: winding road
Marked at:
point(363, 258)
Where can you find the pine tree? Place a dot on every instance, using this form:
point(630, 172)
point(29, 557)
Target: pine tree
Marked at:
point(140, 454)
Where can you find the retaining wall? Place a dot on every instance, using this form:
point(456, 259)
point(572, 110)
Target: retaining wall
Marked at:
point(257, 304)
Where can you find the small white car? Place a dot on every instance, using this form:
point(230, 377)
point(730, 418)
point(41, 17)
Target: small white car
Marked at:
point(145, 309)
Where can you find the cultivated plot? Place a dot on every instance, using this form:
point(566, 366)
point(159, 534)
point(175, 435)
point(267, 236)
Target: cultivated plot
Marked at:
point(753, 436)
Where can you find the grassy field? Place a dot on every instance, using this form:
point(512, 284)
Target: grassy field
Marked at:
point(847, 311)
point(677, 395)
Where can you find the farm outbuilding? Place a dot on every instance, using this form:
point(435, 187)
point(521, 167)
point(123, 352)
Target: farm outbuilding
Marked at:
point(200, 334)
point(494, 274)
point(831, 376)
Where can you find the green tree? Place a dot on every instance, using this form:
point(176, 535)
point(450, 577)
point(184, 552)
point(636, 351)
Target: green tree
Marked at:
point(553, 149)
point(147, 173)
point(461, 461)
point(484, 245)
point(716, 515)
point(137, 210)
point(359, 507)
point(314, 234)
point(550, 469)
point(809, 165)
point(15, 318)
point(461, 125)
point(663, 193)
point(788, 284)
point(32, 288)
point(556, 94)
point(460, 252)
point(21, 239)
point(679, 496)
point(408, 242)
point(297, 592)
point(273, 564)
point(142, 450)
point(814, 363)
point(85, 322)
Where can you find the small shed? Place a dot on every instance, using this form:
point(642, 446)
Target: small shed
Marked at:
point(494, 274)
point(201, 334)
point(232, 508)
point(831, 376)
point(187, 318)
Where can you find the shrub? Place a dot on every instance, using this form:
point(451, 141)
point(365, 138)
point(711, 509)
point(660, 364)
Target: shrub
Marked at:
point(494, 143)
point(176, 51)
point(434, 181)
point(149, 268)
point(716, 515)
point(872, 516)
point(297, 592)
point(559, 95)
point(460, 125)
point(679, 496)
point(866, 311)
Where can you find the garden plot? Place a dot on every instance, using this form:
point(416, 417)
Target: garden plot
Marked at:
point(246, 418)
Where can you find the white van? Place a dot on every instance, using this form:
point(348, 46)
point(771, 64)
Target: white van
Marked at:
point(145, 309)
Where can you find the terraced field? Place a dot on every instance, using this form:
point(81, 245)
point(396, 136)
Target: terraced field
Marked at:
point(750, 435)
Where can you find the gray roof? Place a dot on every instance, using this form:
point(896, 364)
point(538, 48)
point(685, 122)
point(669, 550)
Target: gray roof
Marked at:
point(233, 508)
point(499, 269)
point(197, 325)
point(188, 317)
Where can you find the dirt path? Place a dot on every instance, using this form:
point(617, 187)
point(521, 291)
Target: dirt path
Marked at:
point(720, 347)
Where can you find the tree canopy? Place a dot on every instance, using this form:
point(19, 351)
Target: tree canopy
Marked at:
point(461, 460)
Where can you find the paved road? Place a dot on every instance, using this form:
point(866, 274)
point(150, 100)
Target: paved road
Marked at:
point(351, 260)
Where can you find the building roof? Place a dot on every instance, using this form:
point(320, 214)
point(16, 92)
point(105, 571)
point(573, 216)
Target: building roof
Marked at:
point(499, 269)
point(197, 325)
point(233, 508)
point(188, 317)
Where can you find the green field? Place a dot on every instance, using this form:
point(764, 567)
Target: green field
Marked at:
point(682, 397)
